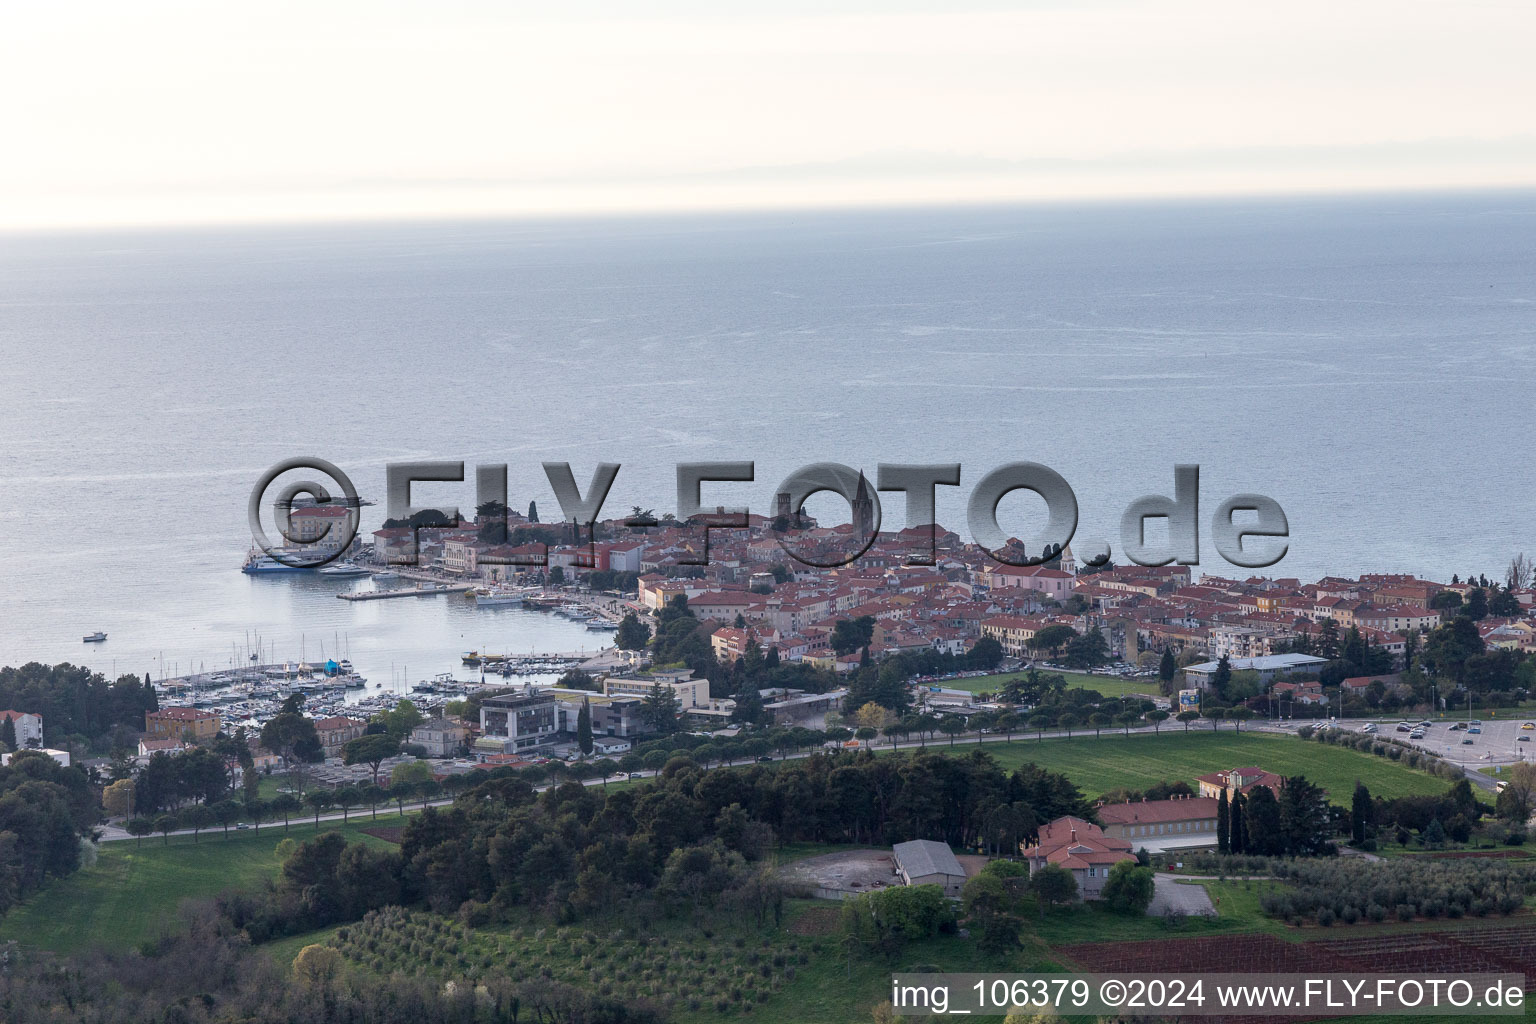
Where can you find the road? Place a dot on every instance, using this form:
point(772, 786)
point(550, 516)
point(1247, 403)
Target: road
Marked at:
point(1502, 732)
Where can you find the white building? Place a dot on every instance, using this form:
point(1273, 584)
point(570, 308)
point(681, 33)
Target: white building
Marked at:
point(29, 728)
point(1269, 667)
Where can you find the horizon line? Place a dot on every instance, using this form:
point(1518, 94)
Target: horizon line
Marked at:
point(797, 205)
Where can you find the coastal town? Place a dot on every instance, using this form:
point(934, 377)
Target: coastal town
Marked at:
point(1115, 739)
point(752, 638)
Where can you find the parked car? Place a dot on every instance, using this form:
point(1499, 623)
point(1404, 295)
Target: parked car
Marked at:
point(1523, 739)
point(1528, 726)
point(1467, 742)
point(1368, 727)
point(1416, 735)
point(1475, 729)
point(1404, 727)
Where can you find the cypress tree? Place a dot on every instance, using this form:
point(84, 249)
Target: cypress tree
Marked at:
point(584, 727)
point(8, 733)
point(1359, 813)
point(1166, 670)
point(1223, 835)
point(1236, 831)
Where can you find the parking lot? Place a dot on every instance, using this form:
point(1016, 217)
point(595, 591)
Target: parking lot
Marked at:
point(1497, 742)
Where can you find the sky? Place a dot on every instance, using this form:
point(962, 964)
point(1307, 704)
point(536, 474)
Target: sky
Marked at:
point(188, 112)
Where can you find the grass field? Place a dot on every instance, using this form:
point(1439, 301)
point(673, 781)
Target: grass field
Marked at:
point(133, 892)
point(1113, 760)
point(1109, 686)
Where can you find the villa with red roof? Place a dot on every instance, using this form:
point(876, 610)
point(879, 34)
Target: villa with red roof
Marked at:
point(1238, 780)
point(1082, 848)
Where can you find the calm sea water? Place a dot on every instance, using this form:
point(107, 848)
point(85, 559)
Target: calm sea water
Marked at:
point(1369, 363)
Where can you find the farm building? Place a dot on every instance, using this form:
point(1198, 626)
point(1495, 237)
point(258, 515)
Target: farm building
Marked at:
point(925, 862)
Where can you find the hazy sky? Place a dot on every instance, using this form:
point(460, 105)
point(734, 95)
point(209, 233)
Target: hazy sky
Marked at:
point(235, 111)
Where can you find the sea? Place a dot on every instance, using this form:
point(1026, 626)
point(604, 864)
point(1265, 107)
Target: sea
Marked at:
point(1367, 362)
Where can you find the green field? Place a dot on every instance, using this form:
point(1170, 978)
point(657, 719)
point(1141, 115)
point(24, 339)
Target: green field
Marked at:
point(1109, 686)
point(1140, 760)
point(132, 892)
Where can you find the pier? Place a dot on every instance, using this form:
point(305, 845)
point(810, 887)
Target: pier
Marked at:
point(432, 591)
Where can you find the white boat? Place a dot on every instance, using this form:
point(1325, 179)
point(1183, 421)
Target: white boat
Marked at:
point(93, 638)
point(494, 599)
point(386, 574)
point(343, 570)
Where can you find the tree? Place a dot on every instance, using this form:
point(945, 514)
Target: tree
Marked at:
point(1517, 800)
point(372, 749)
point(317, 968)
point(1433, 835)
point(557, 575)
point(985, 654)
point(1088, 650)
point(1445, 600)
point(291, 735)
point(633, 634)
point(117, 798)
point(1167, 668)
point(1476, 607)
point(1222, 678)
point(1157, 717)
point(661, 709)
point(318, 800)
point(1518, 575)
point(345, 797)
point(1303, 817)
point(749, 704)
point(226, 813)
point(285, 804)
point(140, 827)
point(1261, 823)
point(605, 768)
point(8, 733)
point(1054, 886)
point(1223, 824)
point(849, 635)
point(1237, 824)
point(1360, 814)
point(993, 912)
point(1504, 604)
point(584, 727)
point(1098, 720)
point(1052, 638)
point(1187, 717)
point(1129, 889)
point(165, 824)
point(399, 720)
point(1067, 721)
point(1449, 647)
point(1237, 716)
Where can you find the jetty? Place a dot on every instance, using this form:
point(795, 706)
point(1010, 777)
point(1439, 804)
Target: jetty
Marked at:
point(422, 591)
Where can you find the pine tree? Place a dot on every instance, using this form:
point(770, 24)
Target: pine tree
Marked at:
point(1166, 670)
point(1223, 825)
point(584, 727)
